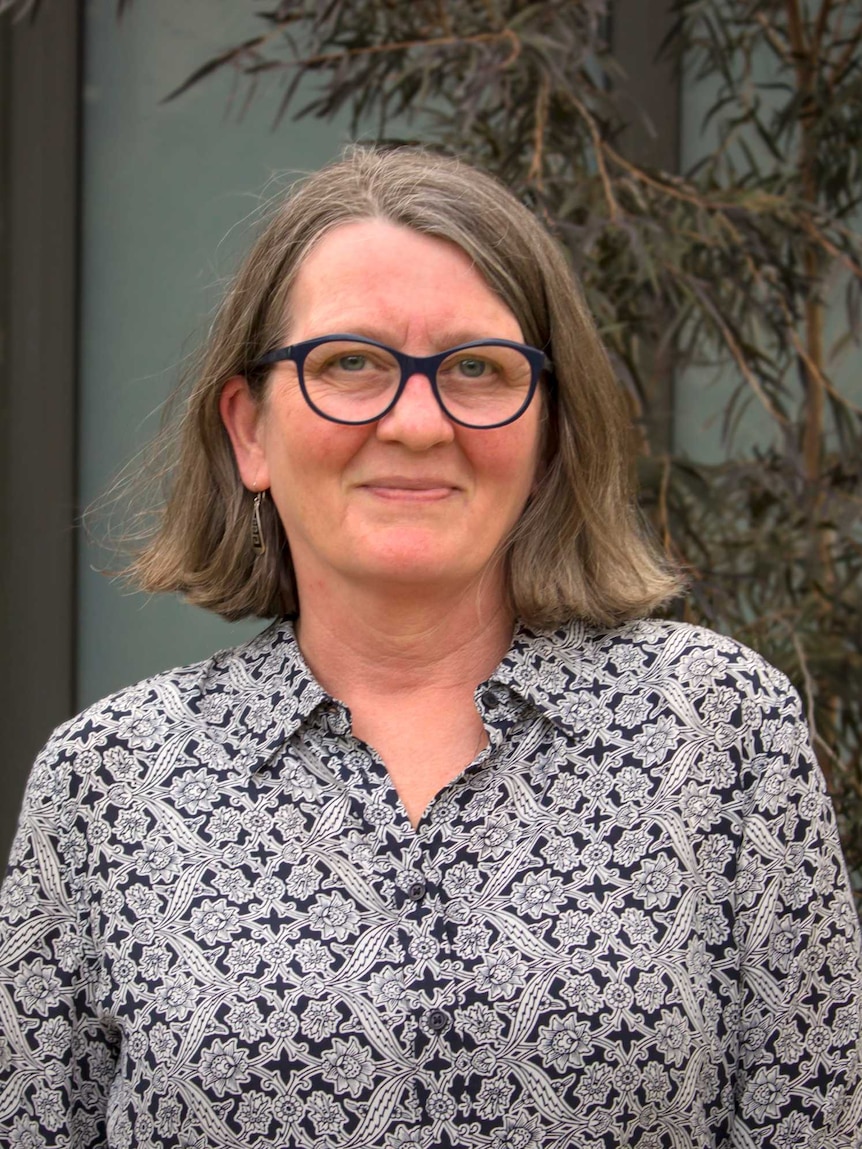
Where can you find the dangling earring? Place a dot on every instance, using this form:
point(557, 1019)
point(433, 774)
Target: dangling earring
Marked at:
point(258, 544)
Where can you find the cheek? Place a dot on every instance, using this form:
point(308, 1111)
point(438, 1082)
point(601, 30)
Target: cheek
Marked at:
point(304, 451)
point(513, 455)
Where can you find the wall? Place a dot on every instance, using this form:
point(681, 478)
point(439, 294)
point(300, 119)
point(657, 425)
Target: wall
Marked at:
point(170, 195)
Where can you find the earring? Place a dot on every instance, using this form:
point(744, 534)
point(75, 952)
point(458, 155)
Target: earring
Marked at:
point(258, 544)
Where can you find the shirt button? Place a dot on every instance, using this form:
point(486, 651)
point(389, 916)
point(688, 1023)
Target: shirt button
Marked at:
point(490, 698)
point(437, 1020)
point(416, 890)
point(339, 722)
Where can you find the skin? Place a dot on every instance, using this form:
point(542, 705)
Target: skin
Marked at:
point(394, 527)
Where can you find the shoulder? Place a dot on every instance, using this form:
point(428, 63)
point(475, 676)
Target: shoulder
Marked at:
point(655, 650)
point(713, 708)
point(654, 672)
point(259, 660)
point(119, 732)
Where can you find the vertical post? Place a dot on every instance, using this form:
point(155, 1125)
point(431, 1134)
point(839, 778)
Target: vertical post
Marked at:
point(39, 166)
point(651, 91)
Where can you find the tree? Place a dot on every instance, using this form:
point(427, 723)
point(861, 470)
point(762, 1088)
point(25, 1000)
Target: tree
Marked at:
point(735, 265)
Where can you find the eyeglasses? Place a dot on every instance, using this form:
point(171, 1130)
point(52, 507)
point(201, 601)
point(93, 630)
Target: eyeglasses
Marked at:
point(348, 379)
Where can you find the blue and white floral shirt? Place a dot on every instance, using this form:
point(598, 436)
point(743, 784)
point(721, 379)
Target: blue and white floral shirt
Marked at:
point(627, 923)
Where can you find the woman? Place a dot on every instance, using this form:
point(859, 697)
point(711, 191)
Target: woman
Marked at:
point(454, 853)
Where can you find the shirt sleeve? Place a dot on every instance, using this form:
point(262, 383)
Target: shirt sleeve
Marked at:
point(57, 1058)
point(800, 1020)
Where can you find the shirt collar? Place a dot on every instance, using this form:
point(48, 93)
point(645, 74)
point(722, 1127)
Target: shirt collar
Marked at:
point(544, 665)
point(255, 696)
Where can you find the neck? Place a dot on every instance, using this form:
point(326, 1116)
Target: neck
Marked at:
point(392, 643)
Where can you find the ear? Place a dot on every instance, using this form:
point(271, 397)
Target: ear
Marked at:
point(243, 417)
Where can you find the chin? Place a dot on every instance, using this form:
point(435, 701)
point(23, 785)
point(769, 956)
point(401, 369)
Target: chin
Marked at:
point(415, 574)
point(426, 569)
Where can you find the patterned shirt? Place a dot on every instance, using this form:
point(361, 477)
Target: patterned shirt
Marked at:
point(626, 923)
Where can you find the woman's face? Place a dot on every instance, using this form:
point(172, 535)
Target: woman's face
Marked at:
point(412, 498)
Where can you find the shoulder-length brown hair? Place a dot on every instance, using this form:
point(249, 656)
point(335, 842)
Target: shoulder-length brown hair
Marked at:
point(579, 549)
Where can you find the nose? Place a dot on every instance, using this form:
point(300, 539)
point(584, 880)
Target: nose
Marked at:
point(417, 419)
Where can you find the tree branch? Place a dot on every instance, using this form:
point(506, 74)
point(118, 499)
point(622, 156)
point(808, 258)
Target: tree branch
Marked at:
point(534, 174)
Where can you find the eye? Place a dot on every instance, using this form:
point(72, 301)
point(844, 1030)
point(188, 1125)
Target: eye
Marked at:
point(353, 362)
point(472, 368)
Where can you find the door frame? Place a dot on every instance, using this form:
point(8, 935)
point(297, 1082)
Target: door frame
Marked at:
point(40, 70)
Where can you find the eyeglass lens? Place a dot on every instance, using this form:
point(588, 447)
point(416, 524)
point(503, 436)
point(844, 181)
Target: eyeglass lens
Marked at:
point(354, 382)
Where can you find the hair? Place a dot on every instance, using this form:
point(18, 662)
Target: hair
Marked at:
point(579, 549)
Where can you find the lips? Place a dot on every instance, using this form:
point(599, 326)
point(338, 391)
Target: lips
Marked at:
point(404, 483)
point(409, 488)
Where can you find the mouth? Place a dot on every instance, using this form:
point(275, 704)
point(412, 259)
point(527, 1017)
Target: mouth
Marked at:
point(427, 490)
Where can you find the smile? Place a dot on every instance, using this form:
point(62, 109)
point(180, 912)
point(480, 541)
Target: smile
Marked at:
point(412, 491)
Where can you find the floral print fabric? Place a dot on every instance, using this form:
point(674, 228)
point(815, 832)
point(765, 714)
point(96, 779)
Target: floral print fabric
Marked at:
point(627, 923)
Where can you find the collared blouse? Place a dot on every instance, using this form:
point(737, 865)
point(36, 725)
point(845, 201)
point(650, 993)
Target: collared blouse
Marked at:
point(626, 923)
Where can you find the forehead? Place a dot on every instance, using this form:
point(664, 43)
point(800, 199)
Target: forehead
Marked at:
point(374, 251)
point(376, 272)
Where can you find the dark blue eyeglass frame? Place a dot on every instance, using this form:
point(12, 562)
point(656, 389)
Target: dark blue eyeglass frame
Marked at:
point(427, 365)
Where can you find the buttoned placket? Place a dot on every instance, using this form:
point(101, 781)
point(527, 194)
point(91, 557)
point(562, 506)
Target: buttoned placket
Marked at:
point(429, 1035)
point(400, 864)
